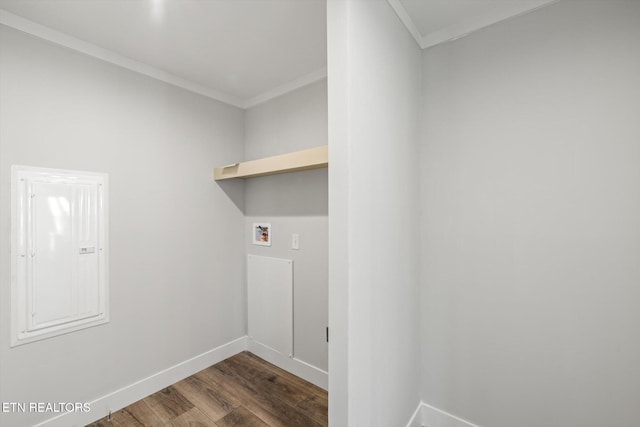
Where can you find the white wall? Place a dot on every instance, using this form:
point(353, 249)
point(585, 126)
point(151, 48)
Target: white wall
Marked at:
point(338, 103)
point(531, 220)
point(379, 126)
point(176, 238)
point(294, 203)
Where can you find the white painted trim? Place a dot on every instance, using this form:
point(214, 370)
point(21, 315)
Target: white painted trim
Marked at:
point(295, 366)
point(430, 416)
point(458, 30)
point(286, 88)
point(462, 29)
point(406, 20)
point(62, 39)
point(416, 418)
point(22, 24)
point(132, 393)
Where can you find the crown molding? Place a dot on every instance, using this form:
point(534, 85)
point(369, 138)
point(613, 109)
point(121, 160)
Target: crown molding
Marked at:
point(461, 29)
point(406, 20)
point(464, 28)
point(70, 42)
point(22, 24)
point(286, 88)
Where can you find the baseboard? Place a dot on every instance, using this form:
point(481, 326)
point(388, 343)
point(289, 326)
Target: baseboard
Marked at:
point(295, 366)
point(429, 416)
point(118, 399)
point(132, 393)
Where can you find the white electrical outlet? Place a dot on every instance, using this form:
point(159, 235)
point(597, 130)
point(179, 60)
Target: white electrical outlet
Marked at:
point(295, 241)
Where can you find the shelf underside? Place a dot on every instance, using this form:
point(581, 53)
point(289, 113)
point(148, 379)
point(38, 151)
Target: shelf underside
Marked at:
point(312, 158)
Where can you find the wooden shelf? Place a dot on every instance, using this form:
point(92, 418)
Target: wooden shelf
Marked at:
point(313, 158)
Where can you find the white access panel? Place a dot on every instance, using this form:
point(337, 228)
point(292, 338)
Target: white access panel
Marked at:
point(270, 296)
point(59, 252)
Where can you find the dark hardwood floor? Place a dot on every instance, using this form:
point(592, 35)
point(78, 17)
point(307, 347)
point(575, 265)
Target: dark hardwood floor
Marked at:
point(242, 391)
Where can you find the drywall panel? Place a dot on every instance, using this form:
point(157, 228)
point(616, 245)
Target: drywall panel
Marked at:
point(291, 122)
point(377, 191)
point(294, 203)
point(270, 302)
point(176, 238)
point(338, 211)
point(531, 220)
point(309, 277)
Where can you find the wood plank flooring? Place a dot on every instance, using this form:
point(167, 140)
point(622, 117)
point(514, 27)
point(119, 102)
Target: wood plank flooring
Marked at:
point(242, 391)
